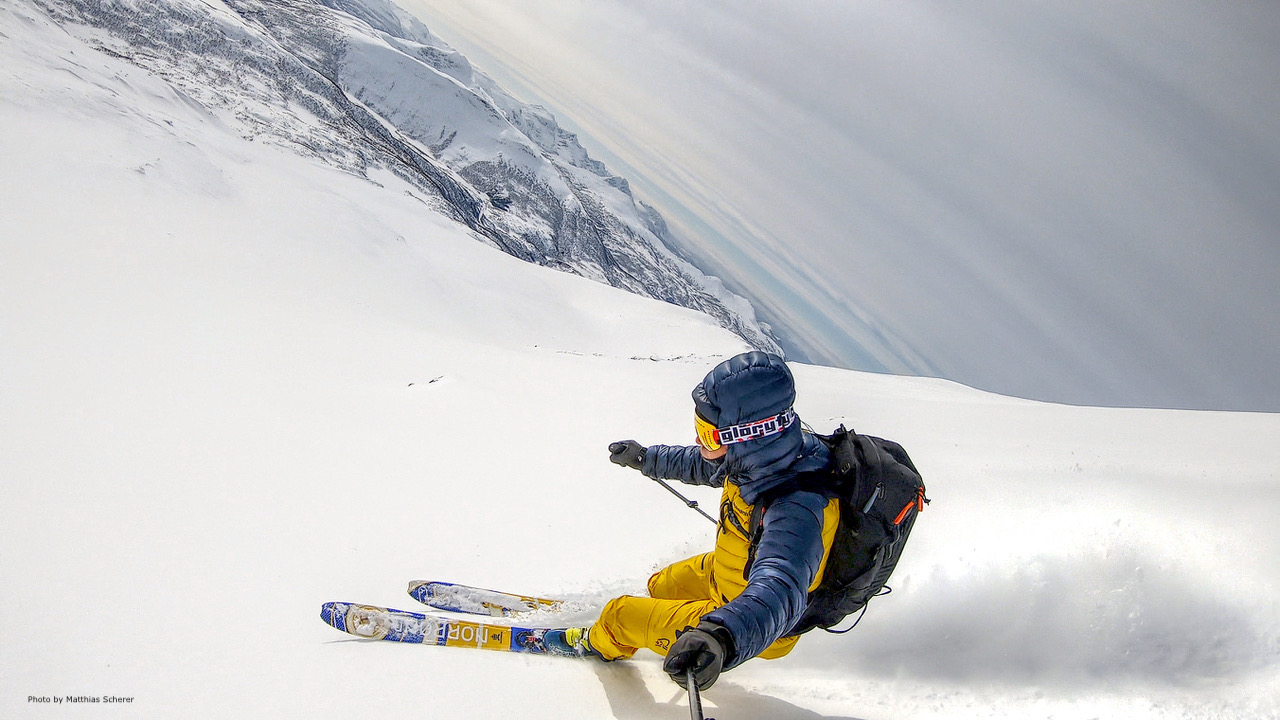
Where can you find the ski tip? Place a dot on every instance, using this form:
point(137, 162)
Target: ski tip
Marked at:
point(423, 590)
point(334, 614)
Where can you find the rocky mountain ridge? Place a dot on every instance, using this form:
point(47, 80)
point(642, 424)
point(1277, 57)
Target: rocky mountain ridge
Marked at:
point(362, 85)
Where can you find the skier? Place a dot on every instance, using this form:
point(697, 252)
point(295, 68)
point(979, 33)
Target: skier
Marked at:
point(716, 610)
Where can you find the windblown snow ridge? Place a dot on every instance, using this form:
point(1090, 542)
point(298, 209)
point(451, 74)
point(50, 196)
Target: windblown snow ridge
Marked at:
point(361, 85)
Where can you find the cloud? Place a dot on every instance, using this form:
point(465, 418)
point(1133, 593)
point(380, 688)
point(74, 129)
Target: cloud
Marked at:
point(1059, 202)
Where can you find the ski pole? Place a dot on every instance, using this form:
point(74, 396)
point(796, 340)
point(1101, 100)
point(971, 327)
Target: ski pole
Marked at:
point(691, 503)
point(695, 702)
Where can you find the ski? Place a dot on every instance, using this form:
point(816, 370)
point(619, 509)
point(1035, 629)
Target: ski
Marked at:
point(378, 623)
point(455, 597)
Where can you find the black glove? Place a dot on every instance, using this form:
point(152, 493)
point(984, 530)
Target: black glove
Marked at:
point(627, 453)
point(704, 649)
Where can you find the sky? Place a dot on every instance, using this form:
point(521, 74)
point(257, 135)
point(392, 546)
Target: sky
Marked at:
point(1061, 201)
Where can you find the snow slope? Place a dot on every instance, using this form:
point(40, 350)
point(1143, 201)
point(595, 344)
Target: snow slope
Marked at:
point(237, 383)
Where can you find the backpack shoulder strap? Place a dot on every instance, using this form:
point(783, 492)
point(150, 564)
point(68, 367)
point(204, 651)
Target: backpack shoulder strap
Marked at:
point(835, 480)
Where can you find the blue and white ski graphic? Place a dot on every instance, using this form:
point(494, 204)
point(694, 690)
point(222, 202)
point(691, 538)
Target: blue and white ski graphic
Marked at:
point(456, 597)
point(378, 623)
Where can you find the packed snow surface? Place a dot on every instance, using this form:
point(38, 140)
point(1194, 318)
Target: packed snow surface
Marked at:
point(237, 383)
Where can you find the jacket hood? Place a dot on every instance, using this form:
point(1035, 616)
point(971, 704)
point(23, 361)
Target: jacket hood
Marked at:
point(749, 387)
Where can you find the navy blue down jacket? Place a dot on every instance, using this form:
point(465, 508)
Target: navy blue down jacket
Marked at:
point(789, 554)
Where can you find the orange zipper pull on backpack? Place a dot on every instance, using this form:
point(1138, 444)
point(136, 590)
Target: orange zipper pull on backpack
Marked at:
point(917, 502)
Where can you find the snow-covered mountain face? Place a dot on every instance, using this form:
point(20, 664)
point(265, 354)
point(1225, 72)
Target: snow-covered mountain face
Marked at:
point(362, 85)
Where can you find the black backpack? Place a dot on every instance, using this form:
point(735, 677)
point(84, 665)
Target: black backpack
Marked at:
point(880, 494)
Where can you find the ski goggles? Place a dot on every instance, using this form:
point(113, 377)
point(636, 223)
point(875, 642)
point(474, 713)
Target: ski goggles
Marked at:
point(714, 438)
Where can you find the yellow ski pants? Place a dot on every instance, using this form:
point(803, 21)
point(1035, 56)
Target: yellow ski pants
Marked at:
point(678, 596)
